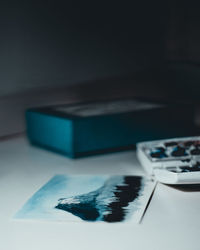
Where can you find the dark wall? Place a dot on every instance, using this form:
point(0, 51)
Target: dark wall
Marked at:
point(183, 36)
point(50, 43)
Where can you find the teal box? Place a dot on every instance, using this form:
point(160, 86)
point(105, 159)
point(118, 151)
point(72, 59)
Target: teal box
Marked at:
point(98, 127)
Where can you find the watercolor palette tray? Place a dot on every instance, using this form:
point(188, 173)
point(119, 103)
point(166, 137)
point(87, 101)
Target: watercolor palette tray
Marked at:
point(172, 161)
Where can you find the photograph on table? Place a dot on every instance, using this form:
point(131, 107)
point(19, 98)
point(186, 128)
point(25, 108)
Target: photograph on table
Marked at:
point(90, 198)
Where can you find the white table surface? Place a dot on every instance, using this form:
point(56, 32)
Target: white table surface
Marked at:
point(172, 220)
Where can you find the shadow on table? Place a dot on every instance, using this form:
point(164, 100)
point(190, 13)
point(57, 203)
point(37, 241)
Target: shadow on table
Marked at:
point(187, 187)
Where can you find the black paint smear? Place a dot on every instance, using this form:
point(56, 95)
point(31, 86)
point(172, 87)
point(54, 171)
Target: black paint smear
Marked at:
point(89, 207)
point(86, 211)
point(124, 195)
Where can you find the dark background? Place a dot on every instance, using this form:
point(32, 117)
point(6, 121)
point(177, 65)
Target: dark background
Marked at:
point(64, 51)
point(48, 43)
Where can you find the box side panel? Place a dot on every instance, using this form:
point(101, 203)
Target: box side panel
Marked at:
point(51, 132)
point(125, 130)
point(102, 133)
